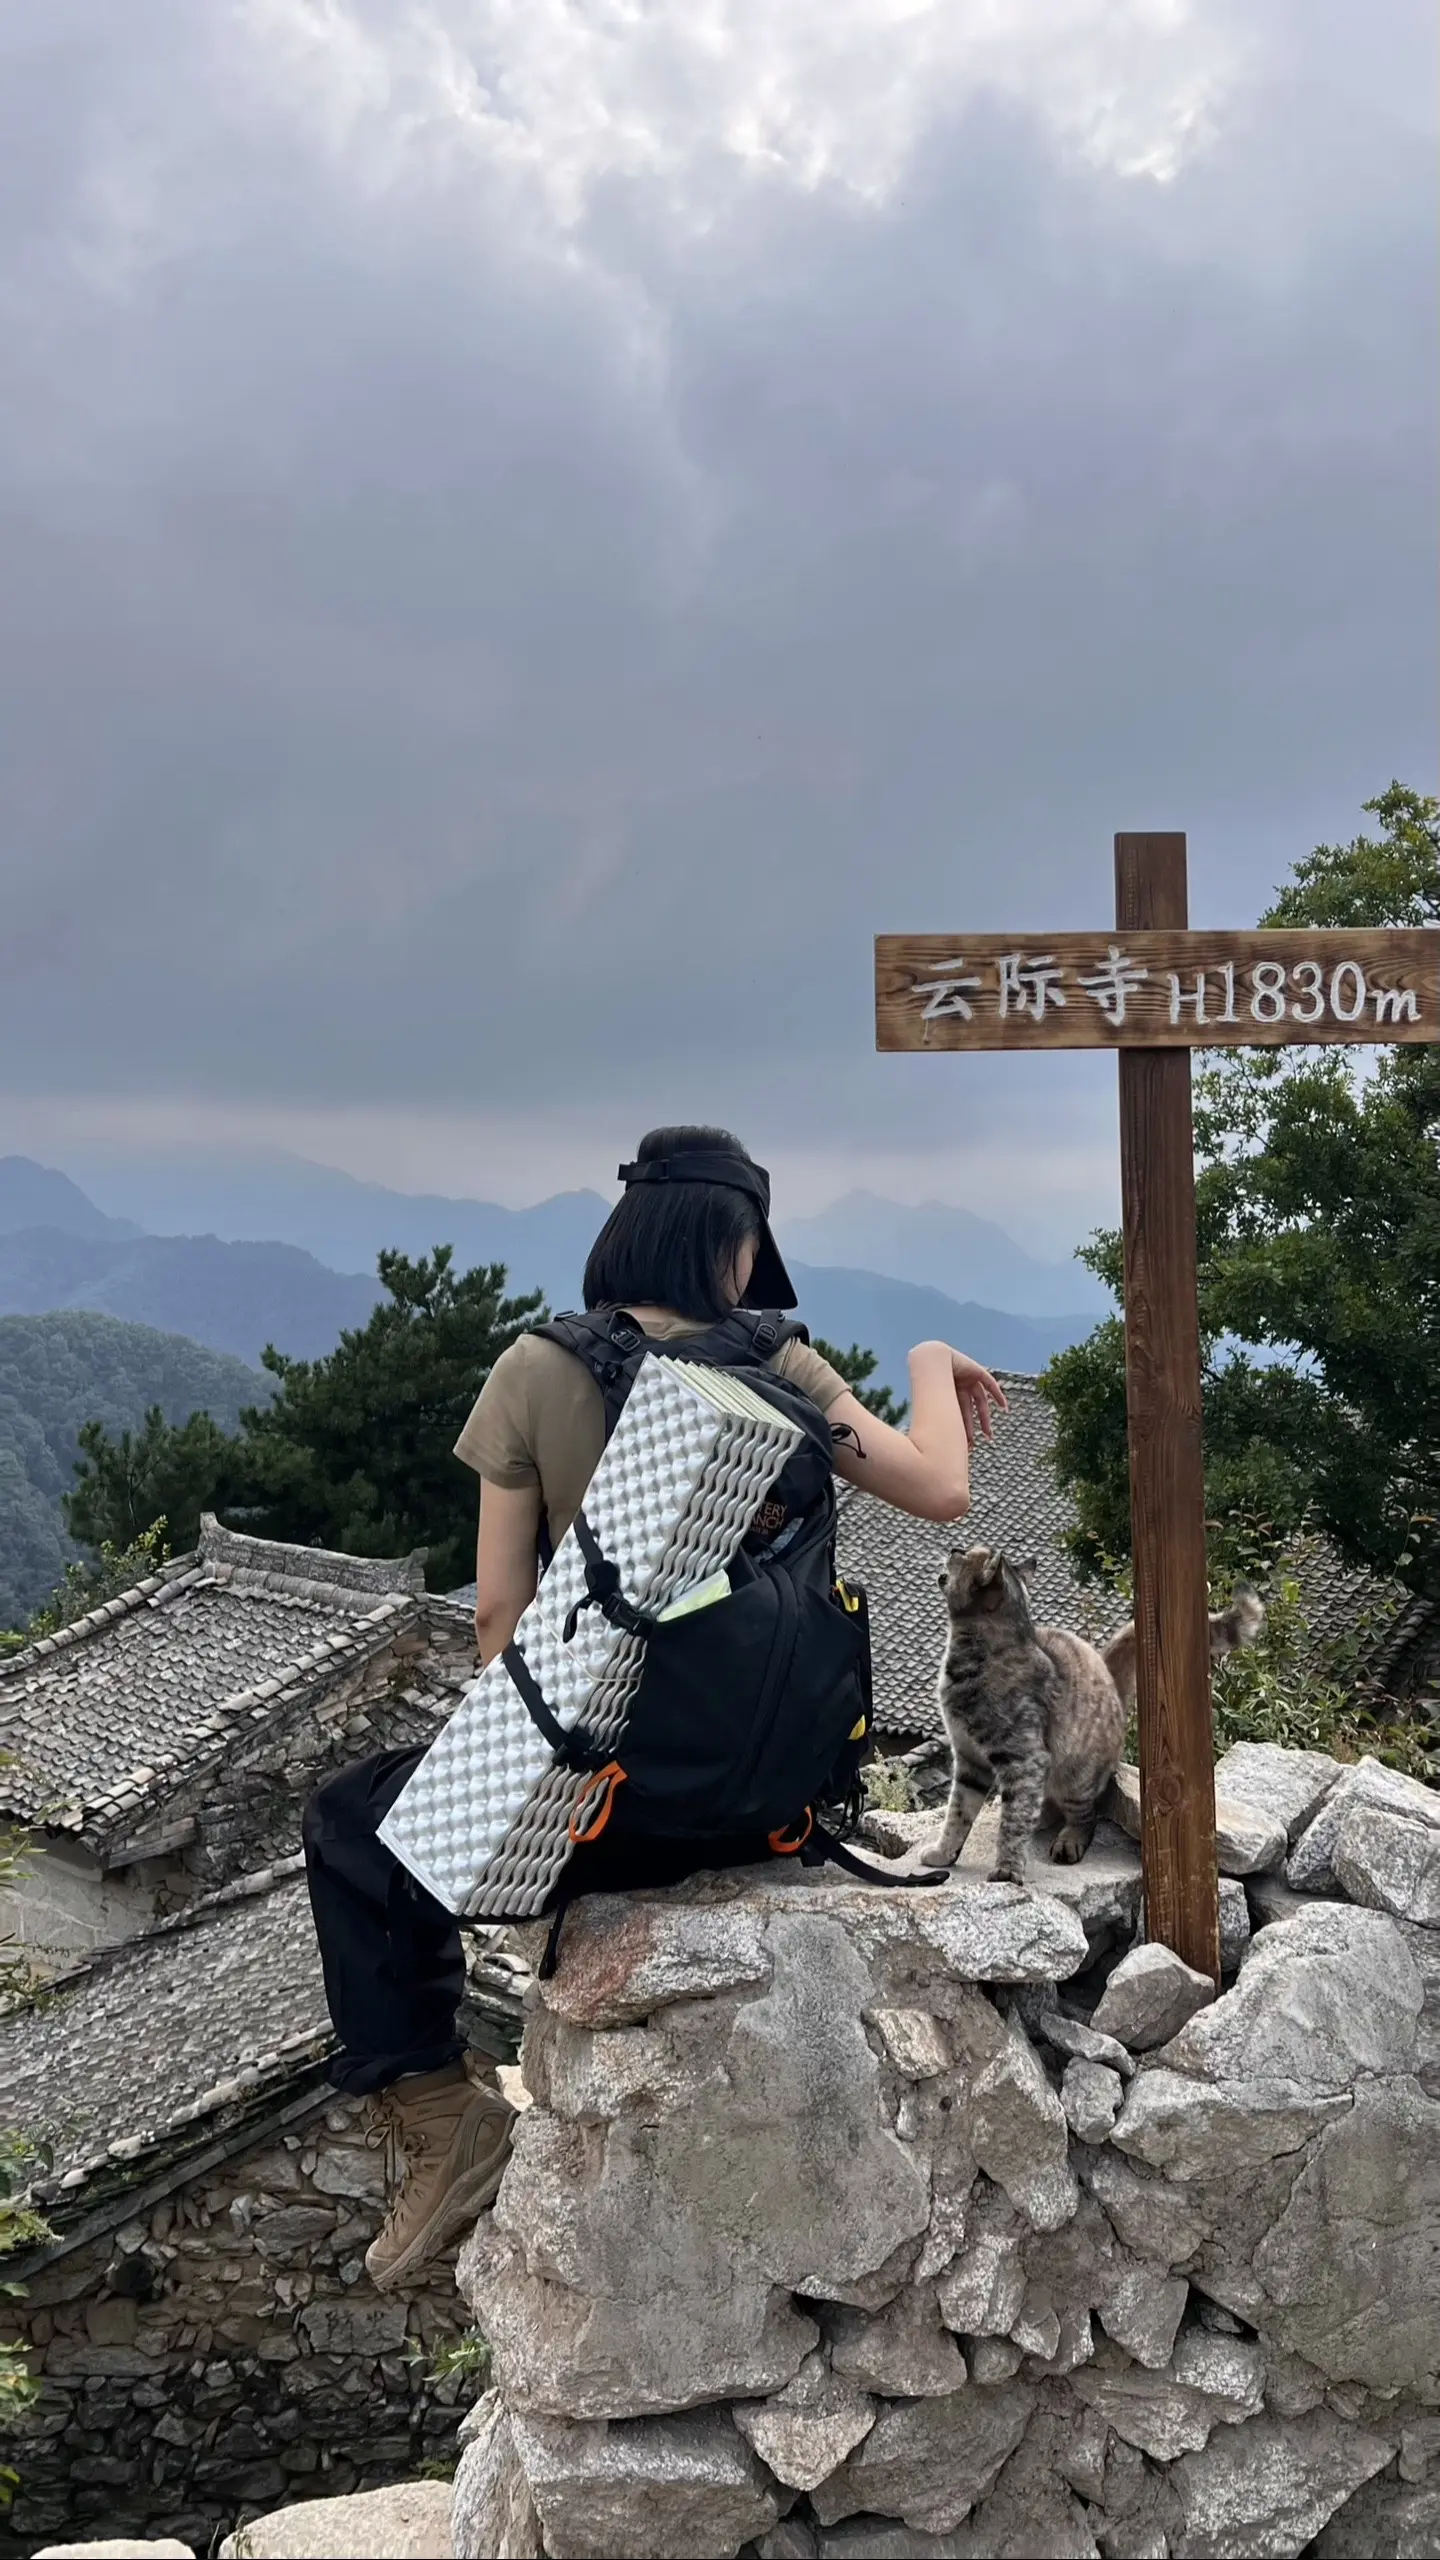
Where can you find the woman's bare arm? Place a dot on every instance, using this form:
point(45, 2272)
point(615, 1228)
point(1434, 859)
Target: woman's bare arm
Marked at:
point(506, 1563)
point(924, 1469)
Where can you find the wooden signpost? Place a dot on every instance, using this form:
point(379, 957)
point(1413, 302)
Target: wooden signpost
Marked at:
point(1154, 991)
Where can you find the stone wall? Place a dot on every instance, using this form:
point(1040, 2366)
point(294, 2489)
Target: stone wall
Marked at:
point(225, 2350)
point(862, 2223)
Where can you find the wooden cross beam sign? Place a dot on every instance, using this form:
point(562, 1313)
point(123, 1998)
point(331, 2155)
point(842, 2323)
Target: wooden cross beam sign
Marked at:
point(1154, 991)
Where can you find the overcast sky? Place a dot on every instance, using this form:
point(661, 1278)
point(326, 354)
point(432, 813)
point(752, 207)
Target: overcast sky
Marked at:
point(530, 529)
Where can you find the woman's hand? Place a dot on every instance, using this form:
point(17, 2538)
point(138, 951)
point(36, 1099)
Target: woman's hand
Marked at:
point(976, 1392)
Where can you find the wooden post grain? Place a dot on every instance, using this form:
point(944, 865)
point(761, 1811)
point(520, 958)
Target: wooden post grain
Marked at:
point(1167, 1486)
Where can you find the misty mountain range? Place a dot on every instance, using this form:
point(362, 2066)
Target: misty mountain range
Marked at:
point(287, 1250)
point(99, 1317)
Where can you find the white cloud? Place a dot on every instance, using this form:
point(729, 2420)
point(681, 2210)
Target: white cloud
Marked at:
point(699, 96)
point(528, 532)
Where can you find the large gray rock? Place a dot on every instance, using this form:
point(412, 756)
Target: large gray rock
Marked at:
point(805, 2432)
point(656, 2318)
point(1149, 2215)
point(1018, 2133)
point(1234, 1924)
point(1193, 2129)
point(1263, 2491)
point(1369, 1786)
point(1091, 2095)
point(1423, 1946)
point(981, 2291)
point(929, 2461)
point(1386, 2517)
point(637, 2275)
point(1248, 1838)
point(904, 2352)
point(1321, 1999)
point(1271, 1898)
point(1103, 1891)
point(492, 2513)
point(1149, 1997)
point(1390, 1861)
point(1032, 2508)
point(1350, 2269)
point(165, 2549)
point(409, 2522)
point(1289, 1786)
point(1141, 2309)
point(1177, 2411)
point(646, 2488)
point(625, 1956)
point(1072, 2036)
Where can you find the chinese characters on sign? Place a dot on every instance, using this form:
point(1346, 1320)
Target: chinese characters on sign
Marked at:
point(1174, 989)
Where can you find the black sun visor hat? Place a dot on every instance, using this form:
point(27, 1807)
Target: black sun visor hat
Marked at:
point(770, 1283)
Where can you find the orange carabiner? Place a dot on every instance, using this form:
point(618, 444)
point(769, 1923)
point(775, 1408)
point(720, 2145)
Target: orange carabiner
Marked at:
point(786, 1848)
point(598, 1794)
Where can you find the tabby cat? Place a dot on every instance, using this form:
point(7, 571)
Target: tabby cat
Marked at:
point(1037, 1711)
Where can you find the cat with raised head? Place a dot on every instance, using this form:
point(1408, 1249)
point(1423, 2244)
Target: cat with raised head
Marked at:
point(1036, 1711)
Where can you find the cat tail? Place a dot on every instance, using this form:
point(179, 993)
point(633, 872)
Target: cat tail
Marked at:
point(1241, 1624)
point(1119, 1660)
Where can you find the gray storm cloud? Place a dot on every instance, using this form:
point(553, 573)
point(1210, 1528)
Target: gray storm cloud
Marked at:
point(525, 538)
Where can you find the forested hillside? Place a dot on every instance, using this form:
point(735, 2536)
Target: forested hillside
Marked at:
point(235, 1297)
point(58, 1371)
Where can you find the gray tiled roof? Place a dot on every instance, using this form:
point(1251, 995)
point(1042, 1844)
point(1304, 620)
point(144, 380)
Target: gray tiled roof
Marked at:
point(106, 1718)
point(200, 2013)
point(1015, 1504)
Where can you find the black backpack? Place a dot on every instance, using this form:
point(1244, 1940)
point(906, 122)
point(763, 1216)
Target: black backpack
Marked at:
point(751, 1726)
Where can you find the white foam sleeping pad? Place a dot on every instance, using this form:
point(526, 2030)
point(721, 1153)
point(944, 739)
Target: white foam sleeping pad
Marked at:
point(483, 1823)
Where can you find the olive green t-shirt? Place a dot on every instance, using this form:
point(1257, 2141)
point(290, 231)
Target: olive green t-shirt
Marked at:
point(540, 1418)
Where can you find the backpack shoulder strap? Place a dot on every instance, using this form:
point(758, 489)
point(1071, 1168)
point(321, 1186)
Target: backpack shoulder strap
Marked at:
point(744, 1339)
point(611, 1346)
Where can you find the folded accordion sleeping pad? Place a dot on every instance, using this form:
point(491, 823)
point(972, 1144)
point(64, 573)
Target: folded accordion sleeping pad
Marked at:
point(687, 1689)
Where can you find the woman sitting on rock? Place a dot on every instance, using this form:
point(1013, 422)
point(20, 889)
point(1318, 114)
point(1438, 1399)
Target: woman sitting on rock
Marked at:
point(683, 1247)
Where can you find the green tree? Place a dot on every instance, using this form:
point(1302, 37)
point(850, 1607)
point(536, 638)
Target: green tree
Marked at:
point(165, 1471)
point(357, 1450)
point(1318, 1231)
point(855, 1367)
point(101, 1577)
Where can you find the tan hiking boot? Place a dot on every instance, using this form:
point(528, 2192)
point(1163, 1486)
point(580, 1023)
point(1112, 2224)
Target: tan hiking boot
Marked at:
point(447, 2139)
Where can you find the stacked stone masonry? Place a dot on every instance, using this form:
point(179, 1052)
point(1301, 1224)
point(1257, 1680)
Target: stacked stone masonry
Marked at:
point(849, 2223)
point(225, 2351)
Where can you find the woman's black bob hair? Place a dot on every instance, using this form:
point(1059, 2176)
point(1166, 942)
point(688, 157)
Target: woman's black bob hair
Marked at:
point(675, 1244)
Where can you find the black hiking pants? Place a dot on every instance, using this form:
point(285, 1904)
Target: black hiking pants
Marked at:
point(391, 1955)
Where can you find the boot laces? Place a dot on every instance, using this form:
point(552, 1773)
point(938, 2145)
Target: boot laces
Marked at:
point(403, 2139)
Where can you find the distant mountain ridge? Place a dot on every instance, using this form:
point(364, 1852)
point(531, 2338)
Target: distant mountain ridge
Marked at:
point(235, 1294)
point(263, 1195)
point(257, 1194)
point(34, 1195)
point(234, 1298)
point(889, 1316)
point(935, 1246)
